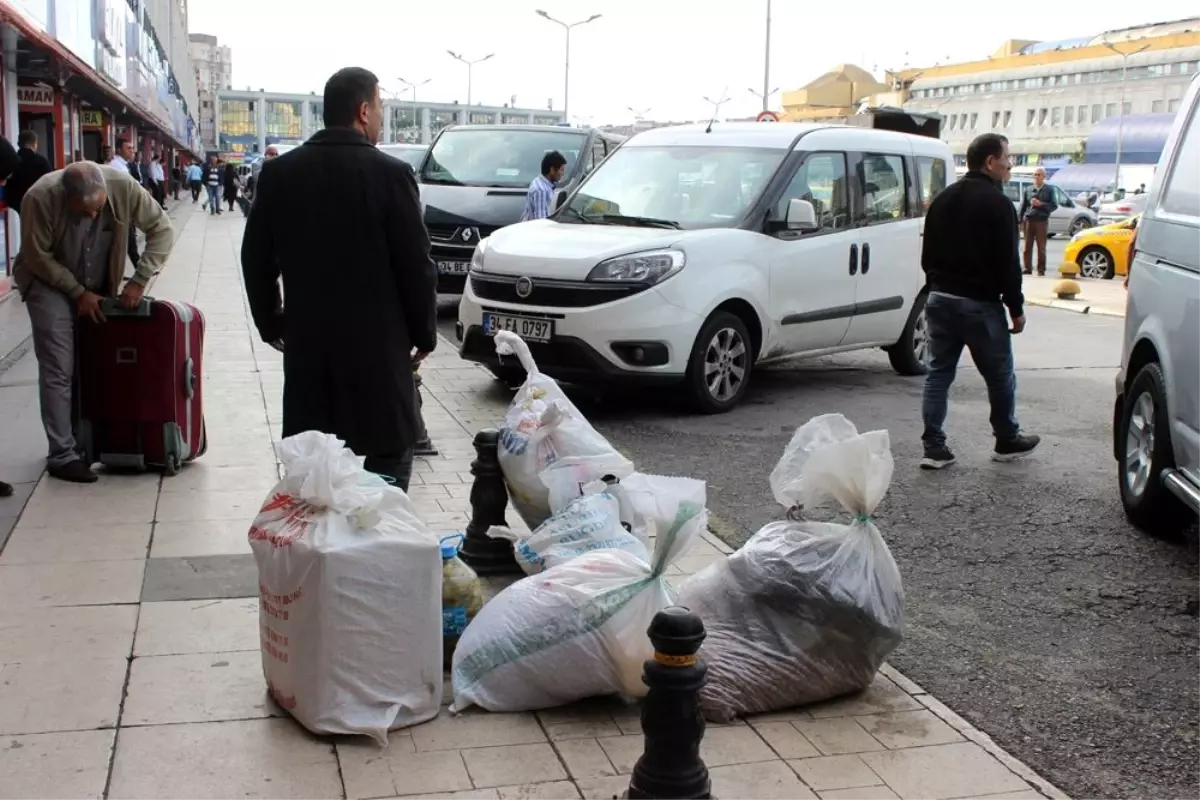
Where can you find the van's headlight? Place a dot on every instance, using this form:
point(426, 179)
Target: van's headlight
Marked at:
point(477, 256)
point(650, 267)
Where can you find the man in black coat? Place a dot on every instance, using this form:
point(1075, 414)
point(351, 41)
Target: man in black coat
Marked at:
point(10, 162)
point(32, 166)
point(360, 286)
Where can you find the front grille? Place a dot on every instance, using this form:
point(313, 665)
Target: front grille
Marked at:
point(551, 293)
point(452, 234)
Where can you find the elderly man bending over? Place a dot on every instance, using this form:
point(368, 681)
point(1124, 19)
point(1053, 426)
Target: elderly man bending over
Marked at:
point(75, 225)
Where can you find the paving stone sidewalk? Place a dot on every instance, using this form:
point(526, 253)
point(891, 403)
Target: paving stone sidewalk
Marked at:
point(129, 645)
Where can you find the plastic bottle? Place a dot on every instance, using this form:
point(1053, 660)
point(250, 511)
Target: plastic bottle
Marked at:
point(462, 596)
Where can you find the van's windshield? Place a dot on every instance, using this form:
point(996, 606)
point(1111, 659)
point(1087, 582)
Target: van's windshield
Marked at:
point(500, 158)
point(675, 187)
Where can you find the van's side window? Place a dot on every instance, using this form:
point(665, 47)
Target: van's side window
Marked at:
point(1061, 198)
point(821, 180)
point(597, 154)
point(932, 174)
point(881, 178)
point(1181, 195)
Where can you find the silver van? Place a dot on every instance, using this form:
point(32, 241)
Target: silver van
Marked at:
point(1069, 218)
point(1156, 418)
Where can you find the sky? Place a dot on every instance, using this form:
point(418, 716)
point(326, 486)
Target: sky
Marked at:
point(660, 58)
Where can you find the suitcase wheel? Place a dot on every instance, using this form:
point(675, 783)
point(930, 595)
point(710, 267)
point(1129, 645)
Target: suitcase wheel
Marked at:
point(171, 468)
point(173, 449)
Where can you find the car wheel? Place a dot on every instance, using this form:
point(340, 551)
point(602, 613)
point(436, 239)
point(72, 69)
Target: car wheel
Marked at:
point(910, 355)
point(1145, 451)
point(509, 376)
point(1096, 262)
point(720, 365)
point(1079, 224)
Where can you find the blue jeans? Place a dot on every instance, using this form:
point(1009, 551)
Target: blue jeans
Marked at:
point(955, 323)
point(214, 198)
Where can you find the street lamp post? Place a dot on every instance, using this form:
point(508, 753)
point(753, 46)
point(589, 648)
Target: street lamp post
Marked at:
point(1121, 109)
point(458, 56)
point(764, 96)
point(766, 90)
point(567, 63)
point(716, 104)
point(413, 87)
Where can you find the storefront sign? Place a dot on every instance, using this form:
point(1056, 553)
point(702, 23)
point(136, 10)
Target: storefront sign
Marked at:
point(111, 39)
point(91, 118)
point(35, 96)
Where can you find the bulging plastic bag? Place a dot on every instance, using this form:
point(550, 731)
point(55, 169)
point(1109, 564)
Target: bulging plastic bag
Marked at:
point(587, 523)
point(350, 585)
point(576, 630)
point(543, 427)
point(805, 611)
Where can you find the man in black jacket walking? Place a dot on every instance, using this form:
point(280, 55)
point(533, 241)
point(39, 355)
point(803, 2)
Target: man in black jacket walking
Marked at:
point(32, 166)
point(973, 272)
point(360, 287)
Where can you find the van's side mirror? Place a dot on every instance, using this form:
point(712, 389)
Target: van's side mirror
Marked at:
point(801, 216)
point(559, 200)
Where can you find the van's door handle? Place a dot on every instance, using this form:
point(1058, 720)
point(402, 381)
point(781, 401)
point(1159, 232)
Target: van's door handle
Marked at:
point(854, 259)
point(866, 258)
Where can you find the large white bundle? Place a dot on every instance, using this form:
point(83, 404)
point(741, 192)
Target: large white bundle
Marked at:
point(351, 587)
point(542, 427)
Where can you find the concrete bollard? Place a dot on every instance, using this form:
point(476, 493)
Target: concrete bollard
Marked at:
point(489, 500)
point(672, 725)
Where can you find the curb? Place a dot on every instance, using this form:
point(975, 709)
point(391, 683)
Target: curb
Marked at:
point(1078, 306)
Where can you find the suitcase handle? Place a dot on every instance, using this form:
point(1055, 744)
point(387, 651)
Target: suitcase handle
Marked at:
point(189, 378)
point(111, 308)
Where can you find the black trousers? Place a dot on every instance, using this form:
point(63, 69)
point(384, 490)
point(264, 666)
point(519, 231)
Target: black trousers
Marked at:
point(398, 470)
point(133, 253)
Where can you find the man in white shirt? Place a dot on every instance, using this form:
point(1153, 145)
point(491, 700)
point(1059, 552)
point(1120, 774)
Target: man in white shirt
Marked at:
point(158, 179)
point(123, 159)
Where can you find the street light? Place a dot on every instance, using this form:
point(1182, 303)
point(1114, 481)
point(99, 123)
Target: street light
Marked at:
point(458, 56)
point(716, 104)
point(638, 114)
point(413, 87)
point(1121, 110)
point(766, 91)
point(567, 63)
point(764, 97)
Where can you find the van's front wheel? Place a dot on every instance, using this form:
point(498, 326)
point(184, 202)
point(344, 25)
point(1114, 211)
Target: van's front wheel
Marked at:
point(910, 355)
point(719, 367)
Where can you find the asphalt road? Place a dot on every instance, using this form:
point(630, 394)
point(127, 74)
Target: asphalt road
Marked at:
point(1034, 609)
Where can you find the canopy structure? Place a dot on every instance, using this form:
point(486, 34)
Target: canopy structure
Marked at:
point(1142, 138)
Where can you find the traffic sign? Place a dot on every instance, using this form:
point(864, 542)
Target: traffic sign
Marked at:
point(767, 116)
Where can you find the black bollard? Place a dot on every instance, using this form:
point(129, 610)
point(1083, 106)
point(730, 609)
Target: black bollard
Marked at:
point(489, 499)
point(670, 766)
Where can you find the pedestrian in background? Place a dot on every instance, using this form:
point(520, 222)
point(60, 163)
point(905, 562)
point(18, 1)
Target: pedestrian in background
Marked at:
point(158, 180)
point(972, 273)
point(360, 288)
point(32, 166)
point(212, 184)
point(9, 163)
point(1036, 207)
point(229, 181)
point(195, 179)
point(541, 190)
point(271, 154)
point(124, 159)
point(176, 179)
point(72, 256)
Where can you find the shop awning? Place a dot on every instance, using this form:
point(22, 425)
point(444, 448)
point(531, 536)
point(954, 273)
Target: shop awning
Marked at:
point(1084, 177)
point(1142, 137)
point(51, 45)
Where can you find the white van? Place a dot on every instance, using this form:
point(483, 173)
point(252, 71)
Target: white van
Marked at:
point(688, 257)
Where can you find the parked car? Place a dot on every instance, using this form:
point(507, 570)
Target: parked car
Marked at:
point(1156, 416)
point(689, 257)
point(1068, 218)
point(411, 154)
point(475, 179)
point(1116, 210)
point(1104, 251)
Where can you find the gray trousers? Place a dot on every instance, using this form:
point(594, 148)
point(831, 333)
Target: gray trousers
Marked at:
point(53, 319)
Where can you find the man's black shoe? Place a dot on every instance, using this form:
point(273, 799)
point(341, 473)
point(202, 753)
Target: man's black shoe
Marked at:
point(74, 472)
point(425, 448)
point(6, 489)
point(937, 457)
point(1017, 447)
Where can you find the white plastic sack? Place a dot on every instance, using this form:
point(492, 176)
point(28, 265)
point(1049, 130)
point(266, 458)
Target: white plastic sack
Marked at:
point(350, 584)
point(805, 611)
point(587, 523)
point(542, 427)
point(576, 630)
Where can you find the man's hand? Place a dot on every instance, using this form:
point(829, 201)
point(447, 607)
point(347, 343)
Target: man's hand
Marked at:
point(88, 305)
point(1018, 324)
point(419, 356)
point(131, 295)
point(1035, 203)
point(277, 344)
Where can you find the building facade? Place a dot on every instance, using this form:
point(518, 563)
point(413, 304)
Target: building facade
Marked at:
point(213, 64)
point(248, 121)
point(1047, 97)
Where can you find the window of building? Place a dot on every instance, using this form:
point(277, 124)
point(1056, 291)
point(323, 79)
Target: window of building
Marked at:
point(1097, 113)
point(953, 121)
point(545, 120)
point(1069, 115)
point(481, 118)
point(1043, 115)
point(1007, 118)
point(406, 123)
point(1056, 116)
point(1172, 106)
point(284, 120)
point(995, 120)
point(1110, 110)
point(1030, 116)
point(974, 121)
point(442, 119)
point(1126, 108)
point(512, 119)
point(237, 118)
point(1158, 106)
point(1083, 112)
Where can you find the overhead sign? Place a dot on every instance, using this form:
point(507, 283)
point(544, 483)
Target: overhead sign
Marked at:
point(767, 116)
point(35, 96)
point(91, 118)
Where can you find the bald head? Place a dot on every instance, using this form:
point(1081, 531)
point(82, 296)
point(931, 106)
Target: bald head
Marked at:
point(1039, 176)
point(85, 188)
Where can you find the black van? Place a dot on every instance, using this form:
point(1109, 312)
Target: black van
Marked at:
point(475, 177)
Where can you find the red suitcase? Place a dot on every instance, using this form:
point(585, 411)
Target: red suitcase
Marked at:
point(139, 386)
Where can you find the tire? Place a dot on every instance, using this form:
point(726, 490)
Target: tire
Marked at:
point(910, 355)
point(1079, 224)
point(1149, 505)
point(509, 376)
point(1096, 262)
point(171, 468)
point(723, 350)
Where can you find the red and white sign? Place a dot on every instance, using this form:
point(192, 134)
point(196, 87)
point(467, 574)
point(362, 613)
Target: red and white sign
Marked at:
point(35, 96)
point(767, 116)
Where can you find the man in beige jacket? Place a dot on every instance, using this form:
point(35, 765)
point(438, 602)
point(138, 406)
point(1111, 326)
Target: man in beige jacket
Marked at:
point(75, 226)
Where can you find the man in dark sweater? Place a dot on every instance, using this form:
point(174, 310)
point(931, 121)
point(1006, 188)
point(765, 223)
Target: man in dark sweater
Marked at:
point(972, 273)
point(33, 165)
point(1036, 207)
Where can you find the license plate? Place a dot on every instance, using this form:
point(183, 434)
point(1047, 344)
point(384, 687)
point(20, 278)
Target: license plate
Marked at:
point(453, 267)
point(535, 330)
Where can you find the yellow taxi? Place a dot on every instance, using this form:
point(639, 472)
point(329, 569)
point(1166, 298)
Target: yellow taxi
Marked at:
point(1103, 251)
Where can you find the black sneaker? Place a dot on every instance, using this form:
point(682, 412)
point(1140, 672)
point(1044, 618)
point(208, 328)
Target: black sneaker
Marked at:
point(74, 472)
point(424, 448)
point(1017, 447)
point(6, 489)
point(937, 457)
